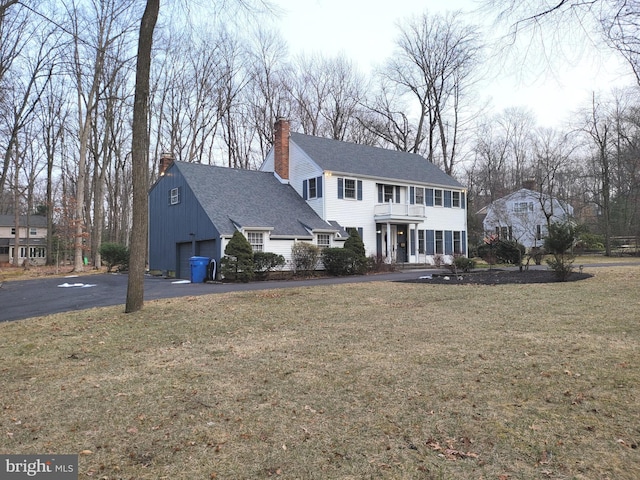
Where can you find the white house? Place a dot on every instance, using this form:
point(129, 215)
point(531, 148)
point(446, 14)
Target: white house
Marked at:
point(522, 216)
point(405, 208)
point(308, 189)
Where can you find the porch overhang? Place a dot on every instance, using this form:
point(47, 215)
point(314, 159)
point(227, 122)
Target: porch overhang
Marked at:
point(399, 213)
point(406, 220)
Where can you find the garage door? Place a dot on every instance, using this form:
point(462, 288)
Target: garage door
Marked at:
point(205, 248)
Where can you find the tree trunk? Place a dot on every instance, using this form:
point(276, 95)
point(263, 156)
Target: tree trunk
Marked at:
point(140, 162)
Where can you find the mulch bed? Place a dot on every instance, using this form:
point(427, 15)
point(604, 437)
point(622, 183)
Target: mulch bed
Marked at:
point(497, 277)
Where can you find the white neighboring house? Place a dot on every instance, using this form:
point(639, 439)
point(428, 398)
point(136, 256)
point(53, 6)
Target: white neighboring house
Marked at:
point(521, 216)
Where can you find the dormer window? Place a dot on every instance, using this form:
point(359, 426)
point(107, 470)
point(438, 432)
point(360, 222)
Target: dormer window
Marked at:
point(313, 188)
point(523, 207)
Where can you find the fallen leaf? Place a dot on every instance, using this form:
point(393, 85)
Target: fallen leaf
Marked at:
point(86, 452)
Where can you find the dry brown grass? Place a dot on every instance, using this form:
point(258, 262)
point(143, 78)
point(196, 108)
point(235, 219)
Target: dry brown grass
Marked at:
point(373, 380)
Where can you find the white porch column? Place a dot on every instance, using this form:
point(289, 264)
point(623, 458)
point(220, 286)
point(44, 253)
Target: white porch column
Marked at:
point(414, 242)
point(389, 243)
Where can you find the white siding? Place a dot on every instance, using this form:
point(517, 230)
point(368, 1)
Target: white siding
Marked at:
point(502, 213)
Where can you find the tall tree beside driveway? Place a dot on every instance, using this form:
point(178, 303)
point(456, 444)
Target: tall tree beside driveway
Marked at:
point(139, 159)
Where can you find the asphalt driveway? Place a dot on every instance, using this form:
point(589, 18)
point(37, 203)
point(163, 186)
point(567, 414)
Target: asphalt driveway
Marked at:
point(38, 297)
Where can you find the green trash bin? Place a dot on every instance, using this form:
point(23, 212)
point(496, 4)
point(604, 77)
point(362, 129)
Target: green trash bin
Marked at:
point(198, 269)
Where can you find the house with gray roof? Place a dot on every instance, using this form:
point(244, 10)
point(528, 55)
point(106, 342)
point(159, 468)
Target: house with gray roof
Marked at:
point(522, 216)
point(308, 189)
point(30, 243)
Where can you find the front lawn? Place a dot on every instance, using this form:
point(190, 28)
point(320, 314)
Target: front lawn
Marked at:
point(373, 380)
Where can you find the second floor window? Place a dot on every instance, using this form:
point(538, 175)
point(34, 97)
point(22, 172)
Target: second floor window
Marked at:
point(455, 199)
point(349, 188)
point(523, 207)
point(437, 197)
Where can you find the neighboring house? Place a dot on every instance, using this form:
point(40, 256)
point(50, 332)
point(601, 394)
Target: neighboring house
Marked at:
point(308, 189)
point(32, 243)
point(521, 216)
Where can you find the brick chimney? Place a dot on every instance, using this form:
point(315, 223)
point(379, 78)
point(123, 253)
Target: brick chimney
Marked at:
point(166, 159)
point(281, 148)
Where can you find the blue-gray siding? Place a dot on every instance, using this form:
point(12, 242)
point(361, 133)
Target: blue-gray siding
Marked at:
point(170, 227)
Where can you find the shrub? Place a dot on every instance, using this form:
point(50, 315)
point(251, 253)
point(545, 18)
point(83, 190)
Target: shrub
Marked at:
point(237, 264)
point(378, 263)
point(114, 254)
point(462, 264)
point(304, 256)
point(265, 262)
point(355, 245)
point(338, 261)
point(590, 241)
point(496, 250)
point(559, 242)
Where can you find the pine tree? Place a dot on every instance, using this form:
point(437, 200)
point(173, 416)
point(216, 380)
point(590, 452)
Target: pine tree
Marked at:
point(237, 263)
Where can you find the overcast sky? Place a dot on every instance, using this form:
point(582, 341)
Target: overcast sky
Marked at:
point(364, 31)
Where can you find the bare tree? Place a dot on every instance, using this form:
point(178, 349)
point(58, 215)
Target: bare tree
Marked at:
point(106, 22)
point(598, 128)
point(140, 160)
point(434, 66)
point(266, 92)
point(555, 24)
point(553, 154)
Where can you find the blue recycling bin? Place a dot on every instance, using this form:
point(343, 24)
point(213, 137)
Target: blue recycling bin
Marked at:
point(198, 269)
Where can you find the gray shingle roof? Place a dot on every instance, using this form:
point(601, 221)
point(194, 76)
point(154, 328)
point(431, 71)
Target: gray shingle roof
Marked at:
point(34, 221)
point(250, 199)
point(355, 159)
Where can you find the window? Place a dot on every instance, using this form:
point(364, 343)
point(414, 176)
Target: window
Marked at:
point(256, 239)
point(439, 241)
point(538, 232)
point(437, 197)
point(457, 242)
point(456, 199)
point(13, 230)
point(36, 252)
point(420, 241)
point(324, 240)
point(33, 231)
point(313, 190)
point(428, 197)
point(523, 207)
point(349, 188)
point(419, 196)
point(4, 250)
point(388, 193)
point(174, 196)
point(504, 233)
